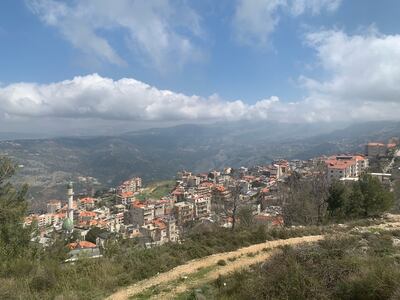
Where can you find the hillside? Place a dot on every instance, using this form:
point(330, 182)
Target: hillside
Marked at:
point(156, 154)
point(343, 251)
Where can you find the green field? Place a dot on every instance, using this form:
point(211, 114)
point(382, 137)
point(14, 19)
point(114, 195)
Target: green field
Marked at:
point(157, 190)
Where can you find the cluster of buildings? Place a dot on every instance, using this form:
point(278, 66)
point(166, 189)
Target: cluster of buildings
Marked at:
point(207, 198)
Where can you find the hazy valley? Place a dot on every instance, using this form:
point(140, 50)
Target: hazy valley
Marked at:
point(156, 154)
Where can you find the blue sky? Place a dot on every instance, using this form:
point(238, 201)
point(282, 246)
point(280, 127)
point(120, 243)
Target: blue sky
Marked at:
point(209, 54)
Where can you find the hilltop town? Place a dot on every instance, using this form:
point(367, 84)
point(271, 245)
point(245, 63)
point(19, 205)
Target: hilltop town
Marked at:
point(133, 211)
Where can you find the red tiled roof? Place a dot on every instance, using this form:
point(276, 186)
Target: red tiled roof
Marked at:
point(126, 194)
point(159, 223)
point(207, 184)
point(265, 190)
point(87, 200)
point(81, 245)
point(138, 204)
point(85, 213)
point(220, 188)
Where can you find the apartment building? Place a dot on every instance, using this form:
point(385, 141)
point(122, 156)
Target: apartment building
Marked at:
point(184, 212)
point(345, 166)
point(376, 150)
point(202, 206)
point(141, 213)
point(131, 185)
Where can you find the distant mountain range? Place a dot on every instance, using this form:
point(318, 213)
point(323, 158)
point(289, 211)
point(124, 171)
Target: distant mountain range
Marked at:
point(156, 154)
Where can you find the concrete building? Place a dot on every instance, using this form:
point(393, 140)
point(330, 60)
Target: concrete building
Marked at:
point(86, 203)
point(155, 232)
point(376, 150)
point(141, 213)
point(202, 206)
point(184, 212)
point(345, 166)
point(221, 194)
point(132, 185)
point(172, 233)
point(159, 231)
point(193, 181)
point(125, 197)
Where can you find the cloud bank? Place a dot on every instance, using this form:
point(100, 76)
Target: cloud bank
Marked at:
point(93, 96)
point(362, 74)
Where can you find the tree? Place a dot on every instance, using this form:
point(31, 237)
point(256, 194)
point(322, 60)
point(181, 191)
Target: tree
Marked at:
point(235, 202)
point(245, 215)
point(354, 203)
point(376, 198)
point(336, 199)
point(14, 237)
point(304, 199)
point(366, 198)
point(319, 190)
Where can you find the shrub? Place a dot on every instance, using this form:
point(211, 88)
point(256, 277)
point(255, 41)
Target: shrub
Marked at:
point(221, 262)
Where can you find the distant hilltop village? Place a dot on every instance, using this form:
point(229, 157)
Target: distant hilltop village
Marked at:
point(133, 211)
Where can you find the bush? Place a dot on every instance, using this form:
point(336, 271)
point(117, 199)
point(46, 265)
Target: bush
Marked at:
point(221, 262)
point(43, 280)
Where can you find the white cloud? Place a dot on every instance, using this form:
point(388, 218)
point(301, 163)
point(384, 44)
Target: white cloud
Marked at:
point(150, 28)
point(93, 96)
point(364, 72)
point(255, 20)
point(315, 7)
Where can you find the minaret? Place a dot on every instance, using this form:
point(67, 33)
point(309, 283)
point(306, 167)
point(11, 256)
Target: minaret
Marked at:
point(70, 194)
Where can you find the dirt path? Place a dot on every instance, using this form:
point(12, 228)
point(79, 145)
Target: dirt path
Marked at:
point(239, 263)
point(193, 266)
point(243, 262)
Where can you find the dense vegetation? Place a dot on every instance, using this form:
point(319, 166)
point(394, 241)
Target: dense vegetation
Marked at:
point(364, 198)
point(313, 200)
point(362, 266)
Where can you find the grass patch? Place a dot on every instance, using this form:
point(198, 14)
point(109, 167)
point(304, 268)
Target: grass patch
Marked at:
point(157, 190)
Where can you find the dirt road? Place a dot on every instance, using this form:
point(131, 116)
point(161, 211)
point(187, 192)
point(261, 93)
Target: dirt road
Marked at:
point(193, 266)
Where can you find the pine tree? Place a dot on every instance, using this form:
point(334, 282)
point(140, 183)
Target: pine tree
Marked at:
point(377, 199)
point(354, 206)
point(14, 238)
point(336, 199)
